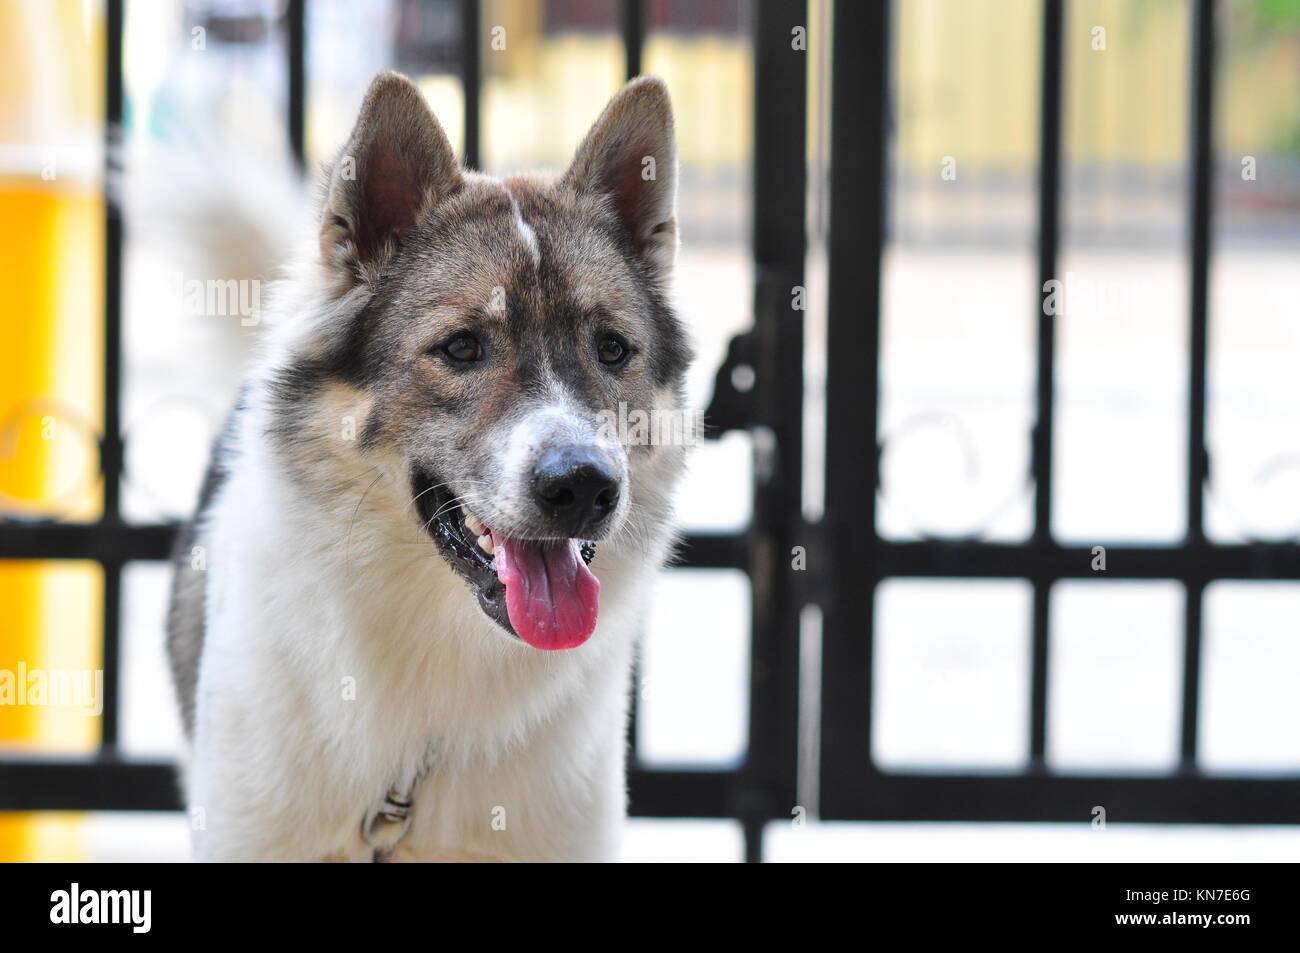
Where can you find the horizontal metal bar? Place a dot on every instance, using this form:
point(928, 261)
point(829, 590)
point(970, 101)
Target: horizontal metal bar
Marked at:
point(682, 793)
point(123, 543)
point(106, 542)
point(1195, 562)
point(101, 784)
point(1179, 799)
point(1200, 562)
point(62, 784)
point(113, 785)
point(712, 551)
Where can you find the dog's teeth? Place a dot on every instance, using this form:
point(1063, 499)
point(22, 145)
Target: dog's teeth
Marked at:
point(485, 544)
point(475, 525)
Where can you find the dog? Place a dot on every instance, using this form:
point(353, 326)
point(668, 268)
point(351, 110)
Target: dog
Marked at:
point(403, 616)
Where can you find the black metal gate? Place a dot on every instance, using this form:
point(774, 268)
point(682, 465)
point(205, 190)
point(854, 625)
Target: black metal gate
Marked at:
point(759, 790)
point(844, 548)
point(851, 786)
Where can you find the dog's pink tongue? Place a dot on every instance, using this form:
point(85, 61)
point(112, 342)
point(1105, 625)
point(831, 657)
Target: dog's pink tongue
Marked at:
point(551, 595)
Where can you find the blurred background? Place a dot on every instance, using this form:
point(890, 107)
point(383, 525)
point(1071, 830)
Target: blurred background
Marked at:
point(99, 332)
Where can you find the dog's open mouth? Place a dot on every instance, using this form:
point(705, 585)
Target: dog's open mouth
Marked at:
point(537, 589)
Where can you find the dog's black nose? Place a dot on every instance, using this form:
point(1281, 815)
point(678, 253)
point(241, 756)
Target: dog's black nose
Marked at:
point(576, 487)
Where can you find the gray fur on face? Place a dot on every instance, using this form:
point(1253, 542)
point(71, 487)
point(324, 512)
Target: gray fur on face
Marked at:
point(537, 269)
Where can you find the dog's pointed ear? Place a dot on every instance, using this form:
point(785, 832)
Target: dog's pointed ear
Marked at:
point(630, 154)
point(396, 166)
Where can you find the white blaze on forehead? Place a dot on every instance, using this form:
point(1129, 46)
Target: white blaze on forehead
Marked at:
point(526, 233)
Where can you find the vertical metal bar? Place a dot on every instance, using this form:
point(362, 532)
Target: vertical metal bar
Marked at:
point(1049, 193)
point(111, 443)
point(471, 77)
point(633, 35)
point(296, 67)
point(860, 83)
point(1202, 204)
point(752, 829)
point(1049, 197)
point(1202, 148)
point(780, 172)
point(111, 661)
point(114, 98)
point(634, 706)
point(1192, 620)
point(1039, 649)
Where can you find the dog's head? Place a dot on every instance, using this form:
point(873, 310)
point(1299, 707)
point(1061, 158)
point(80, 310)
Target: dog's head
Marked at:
point(505, 332)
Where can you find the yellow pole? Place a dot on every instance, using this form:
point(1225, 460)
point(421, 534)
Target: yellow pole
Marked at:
point(51, 275)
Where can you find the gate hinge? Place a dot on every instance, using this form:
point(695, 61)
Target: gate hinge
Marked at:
point(732, 405)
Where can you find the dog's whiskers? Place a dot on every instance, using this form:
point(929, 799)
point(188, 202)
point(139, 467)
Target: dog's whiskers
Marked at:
point(347, 546)
point(438, 486)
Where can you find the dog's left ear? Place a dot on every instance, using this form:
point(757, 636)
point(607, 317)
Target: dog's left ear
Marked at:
point(396, 166)
point(630, 154)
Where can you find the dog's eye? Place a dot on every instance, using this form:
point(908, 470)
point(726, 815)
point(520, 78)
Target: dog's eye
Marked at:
point(463, 347)
point(611, 350)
